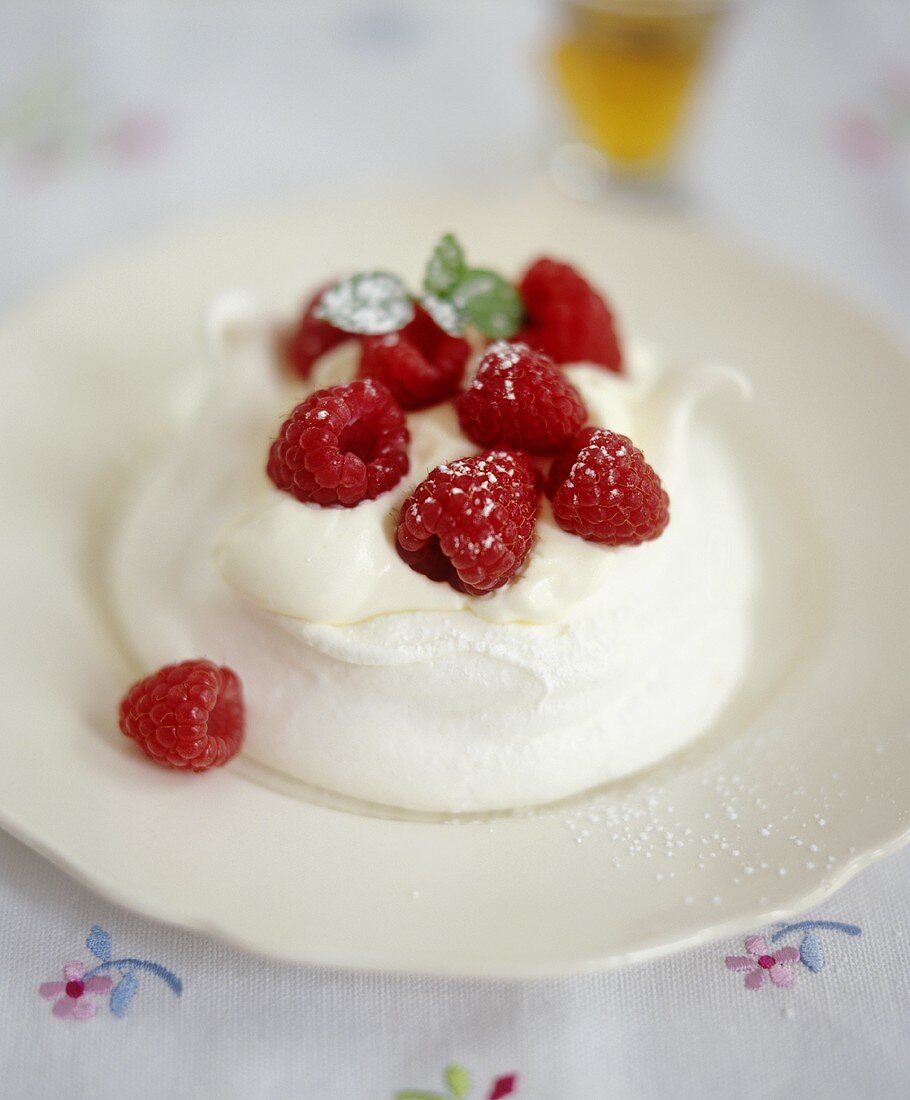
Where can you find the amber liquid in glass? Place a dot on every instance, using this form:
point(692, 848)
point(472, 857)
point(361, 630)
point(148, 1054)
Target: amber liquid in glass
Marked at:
point(627, 70)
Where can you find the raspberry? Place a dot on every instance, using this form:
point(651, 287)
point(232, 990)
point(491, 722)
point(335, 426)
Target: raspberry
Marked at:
point(187, 716)
point(342, 445)
point(421, 364)
point(603, 490)
point(566, 318)
point(520, 399)
point(471, 522)
point(312, 338)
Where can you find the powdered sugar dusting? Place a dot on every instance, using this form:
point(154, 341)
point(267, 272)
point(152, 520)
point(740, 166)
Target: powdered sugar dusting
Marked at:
point(374, 302)
point(497, 366)
point(642, 823)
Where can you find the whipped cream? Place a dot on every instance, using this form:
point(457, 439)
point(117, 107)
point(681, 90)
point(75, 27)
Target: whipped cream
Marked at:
point(367, 678)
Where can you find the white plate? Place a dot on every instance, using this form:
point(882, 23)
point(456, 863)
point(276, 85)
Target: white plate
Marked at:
point(807, 780)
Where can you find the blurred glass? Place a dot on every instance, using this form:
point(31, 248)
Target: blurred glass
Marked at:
point(627, 69)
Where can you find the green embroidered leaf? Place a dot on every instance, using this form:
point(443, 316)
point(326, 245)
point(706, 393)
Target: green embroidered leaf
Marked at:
point(370, 303)
point(490, 303)
point(410, 1094)
point(445, 267)
point(445, 313)
point(458, 1081)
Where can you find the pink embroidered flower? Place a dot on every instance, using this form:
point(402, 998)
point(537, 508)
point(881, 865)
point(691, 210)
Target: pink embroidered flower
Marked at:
point(74, 1003)
point(758, 963)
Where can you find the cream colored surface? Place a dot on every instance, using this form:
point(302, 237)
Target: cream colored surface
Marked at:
point(814, 746)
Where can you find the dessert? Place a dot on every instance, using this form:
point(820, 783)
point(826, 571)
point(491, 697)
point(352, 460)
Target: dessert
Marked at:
point(435, 603)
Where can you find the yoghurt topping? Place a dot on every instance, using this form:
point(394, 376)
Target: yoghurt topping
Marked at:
point(339, 566)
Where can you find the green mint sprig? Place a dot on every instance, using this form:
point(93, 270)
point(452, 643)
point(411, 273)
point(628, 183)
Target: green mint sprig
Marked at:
point(445, 267)
point(446, 313)
point(489, 303)
point(455, 295)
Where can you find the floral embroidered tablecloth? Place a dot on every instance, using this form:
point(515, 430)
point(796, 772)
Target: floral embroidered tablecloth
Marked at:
point(117, 120)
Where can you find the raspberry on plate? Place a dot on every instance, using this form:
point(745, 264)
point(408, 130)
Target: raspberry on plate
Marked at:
point(471, 522)
point(566, 317)
point(341, 445)
point(187, 716)
point(520, 399)
point(311, 338)
point(603, 489)
point(421, 364)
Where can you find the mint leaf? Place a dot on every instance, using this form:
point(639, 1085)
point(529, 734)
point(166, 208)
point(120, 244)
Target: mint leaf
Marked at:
point(490, 303)
point(458, 1081)
point(370, 303)
point(445, 267)
point(445, 313)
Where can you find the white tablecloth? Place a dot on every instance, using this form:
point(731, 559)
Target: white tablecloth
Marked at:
point(117, 120)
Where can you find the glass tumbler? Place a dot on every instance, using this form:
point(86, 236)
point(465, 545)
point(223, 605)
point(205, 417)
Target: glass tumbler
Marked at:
point(627, 69)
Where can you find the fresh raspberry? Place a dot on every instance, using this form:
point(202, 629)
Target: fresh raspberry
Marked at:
point(471, 522)
point(566, 318)
point(342, 445)
point(520, 399)
point(603, 490)
point(421, 364)
point(187, 716)
point(312, 338)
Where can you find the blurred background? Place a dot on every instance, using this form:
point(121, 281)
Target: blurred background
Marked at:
point(784, 122)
